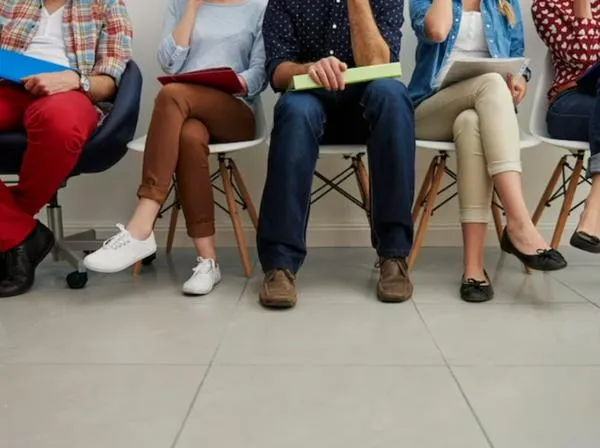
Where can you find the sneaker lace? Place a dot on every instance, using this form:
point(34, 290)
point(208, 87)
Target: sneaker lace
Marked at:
point(119, 240)
point(204, 266)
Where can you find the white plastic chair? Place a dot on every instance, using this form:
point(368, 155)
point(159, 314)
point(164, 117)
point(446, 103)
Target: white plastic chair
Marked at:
point(570, 175)
point(232, 187)
point(431, 190)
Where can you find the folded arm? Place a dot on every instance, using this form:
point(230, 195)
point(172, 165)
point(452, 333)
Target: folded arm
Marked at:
point(573, 37)
point(375, 30)
point(178, 28)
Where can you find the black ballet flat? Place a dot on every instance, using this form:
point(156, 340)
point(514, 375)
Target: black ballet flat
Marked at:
point(476, 291)
point(543, 260)
point(585, 241)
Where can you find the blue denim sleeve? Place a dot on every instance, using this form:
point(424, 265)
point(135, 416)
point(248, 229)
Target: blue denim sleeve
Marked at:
point(418, 9)
point(279, 37)
point(171, 56)
point(517, 42)
point(389, 16)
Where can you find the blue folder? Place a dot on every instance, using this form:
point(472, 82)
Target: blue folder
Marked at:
point(16, 66)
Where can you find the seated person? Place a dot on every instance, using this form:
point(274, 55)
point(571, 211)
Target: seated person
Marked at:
point(571, 30)
point(92, 40)
point(478, 114)
point(198, 35)
point(322, 39)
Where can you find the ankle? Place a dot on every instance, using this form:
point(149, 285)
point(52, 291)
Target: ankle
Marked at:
point(138, 232)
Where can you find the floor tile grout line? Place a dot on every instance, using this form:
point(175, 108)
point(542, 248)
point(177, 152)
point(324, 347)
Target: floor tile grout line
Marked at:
point(570, 288)
point(458, 385)
point(210, 365)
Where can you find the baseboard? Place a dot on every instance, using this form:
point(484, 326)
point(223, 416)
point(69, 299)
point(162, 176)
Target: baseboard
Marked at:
point(318, 235)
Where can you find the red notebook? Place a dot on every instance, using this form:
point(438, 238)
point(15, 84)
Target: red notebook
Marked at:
point(222, 78)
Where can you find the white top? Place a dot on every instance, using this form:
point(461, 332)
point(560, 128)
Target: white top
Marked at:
point(49, 43)
point(470, 41)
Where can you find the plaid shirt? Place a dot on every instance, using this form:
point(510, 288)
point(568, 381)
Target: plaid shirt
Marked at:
point(97, 32)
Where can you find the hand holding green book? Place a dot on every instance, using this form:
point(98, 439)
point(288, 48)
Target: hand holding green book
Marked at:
point(352, 76)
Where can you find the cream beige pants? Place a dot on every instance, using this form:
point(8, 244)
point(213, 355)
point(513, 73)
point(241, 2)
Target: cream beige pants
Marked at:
point(479, 116)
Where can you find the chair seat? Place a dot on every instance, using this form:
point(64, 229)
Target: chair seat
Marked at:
point(342, 150)
point(139, 144)
point(527, 141)
point(569, 145)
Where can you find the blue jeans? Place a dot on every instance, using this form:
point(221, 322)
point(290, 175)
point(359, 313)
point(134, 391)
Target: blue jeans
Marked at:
point(379, 113)
point(576, 116)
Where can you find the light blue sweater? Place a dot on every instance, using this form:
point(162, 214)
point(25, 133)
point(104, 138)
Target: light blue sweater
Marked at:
point(225, 35)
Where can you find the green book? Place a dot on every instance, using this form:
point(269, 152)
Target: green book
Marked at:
point(352, 76)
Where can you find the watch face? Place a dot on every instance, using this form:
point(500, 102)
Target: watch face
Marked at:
point(85, 84)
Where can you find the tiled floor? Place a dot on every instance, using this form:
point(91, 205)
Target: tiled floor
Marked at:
point(130, 363)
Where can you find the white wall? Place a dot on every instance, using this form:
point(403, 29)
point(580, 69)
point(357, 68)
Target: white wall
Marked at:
point(101, 200)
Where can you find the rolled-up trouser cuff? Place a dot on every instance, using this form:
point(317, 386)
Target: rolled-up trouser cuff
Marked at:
point(504, 167)
point(475, 215)
point(594, 164)
point(153, 192)
point(200, 229)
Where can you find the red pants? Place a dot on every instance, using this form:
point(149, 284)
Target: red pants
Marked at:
point(57, 129)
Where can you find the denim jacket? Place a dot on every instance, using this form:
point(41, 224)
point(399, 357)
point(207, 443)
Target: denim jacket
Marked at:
point(503, 41)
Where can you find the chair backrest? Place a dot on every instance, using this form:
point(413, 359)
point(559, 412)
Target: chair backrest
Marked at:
point(261, 120)
point(537, 124)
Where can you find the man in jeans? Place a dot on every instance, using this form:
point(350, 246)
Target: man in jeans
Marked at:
point(58, 111)
point(322, 39)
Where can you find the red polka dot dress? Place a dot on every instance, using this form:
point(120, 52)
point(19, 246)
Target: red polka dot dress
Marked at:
point(573, 42)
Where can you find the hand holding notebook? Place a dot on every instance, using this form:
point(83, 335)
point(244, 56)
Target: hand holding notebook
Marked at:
point(221, 78)
point(352, 76)
point(467, 68)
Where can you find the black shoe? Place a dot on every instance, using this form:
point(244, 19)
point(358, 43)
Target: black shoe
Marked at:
point(476, 291)
point(586, 242)
point(22, 261)
point(544, 260)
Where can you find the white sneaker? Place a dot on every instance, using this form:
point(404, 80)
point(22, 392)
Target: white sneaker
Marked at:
point(206, 275)
point(119, 252)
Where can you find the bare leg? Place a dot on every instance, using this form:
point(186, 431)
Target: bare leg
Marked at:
point(523, 233)
point(590, 218)
point(474, 241)
point(142, 222)
point(205, 247)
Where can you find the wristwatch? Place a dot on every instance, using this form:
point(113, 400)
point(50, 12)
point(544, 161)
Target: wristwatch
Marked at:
point(84, 83)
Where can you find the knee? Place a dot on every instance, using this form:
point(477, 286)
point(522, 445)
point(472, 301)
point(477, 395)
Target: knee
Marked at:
point(171, 93)
point(299, 108)
point(495, 85)
point(467, 121)
point(61, 126)
point(387, 92)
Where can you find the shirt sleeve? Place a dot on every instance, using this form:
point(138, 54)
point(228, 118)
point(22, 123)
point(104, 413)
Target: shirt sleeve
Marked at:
point(114, 46)
point(418, 10)
point(389, 16)
point(255, 75)
point(171, 56)
point(280, 40)
point(574, 40)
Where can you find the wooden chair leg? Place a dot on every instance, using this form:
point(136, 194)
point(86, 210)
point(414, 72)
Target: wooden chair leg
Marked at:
point(567, 203)
point(235, 218)
point(362, 178)
point(497, 215)
point(549, 190)
point(437, 176)
point(424, 189)
point(239, 181)
point(137, 268)
point(172, 227)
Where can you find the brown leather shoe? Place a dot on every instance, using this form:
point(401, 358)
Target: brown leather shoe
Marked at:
point(278, 289)
point(394, 284)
